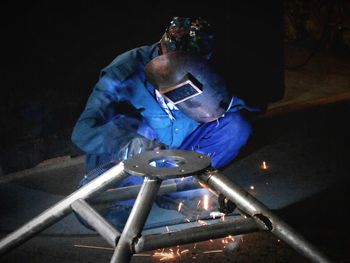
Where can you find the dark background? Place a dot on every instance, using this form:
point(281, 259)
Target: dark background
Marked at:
point(53, 51)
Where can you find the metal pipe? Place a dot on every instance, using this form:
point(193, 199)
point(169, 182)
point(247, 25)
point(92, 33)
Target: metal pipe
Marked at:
point(136, 220)
point(248, 204)
point(196, 234)
point(94, 219)
point(62, 208)
point(130, 192)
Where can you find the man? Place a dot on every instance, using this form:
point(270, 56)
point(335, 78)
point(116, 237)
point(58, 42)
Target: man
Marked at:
point(126, 114)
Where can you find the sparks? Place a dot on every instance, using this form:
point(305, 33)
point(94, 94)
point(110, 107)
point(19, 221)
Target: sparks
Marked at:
point(264, 165)
point(180, 206)
point(202, 185)
point(205, 202)
point(164, 255)
point(227, 239)
point(169, 255)
point(231, 237)
point(213, 251)
point(222, 218)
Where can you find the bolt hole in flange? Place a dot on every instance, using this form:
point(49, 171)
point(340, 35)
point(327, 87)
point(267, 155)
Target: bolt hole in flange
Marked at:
point(166, 163)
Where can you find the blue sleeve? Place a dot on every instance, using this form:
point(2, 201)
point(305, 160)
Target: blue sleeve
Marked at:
point(99, 129)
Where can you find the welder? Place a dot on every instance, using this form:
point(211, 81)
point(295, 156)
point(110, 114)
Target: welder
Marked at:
point(161, 96)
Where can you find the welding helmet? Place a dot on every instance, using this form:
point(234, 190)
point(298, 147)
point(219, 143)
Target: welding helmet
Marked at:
point(194, 35)
point(188, 81)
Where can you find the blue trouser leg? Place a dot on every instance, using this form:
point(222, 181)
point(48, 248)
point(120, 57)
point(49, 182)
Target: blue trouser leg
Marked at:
point(221, 139)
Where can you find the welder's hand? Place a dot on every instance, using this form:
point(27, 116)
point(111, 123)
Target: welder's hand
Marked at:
point(137, 145)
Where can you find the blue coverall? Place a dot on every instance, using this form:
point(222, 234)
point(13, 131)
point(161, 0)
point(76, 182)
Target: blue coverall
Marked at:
point(123, 105)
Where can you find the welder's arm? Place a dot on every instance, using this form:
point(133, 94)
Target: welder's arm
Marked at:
point(100, 130)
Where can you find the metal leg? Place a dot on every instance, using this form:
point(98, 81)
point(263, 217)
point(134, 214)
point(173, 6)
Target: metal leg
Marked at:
point(62, 208)
point(94, 219)
point(263, 216)
point(196, 234)
point(136, 220)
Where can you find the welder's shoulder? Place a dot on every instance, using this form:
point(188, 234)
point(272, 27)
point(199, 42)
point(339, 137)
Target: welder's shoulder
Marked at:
point(128, 63)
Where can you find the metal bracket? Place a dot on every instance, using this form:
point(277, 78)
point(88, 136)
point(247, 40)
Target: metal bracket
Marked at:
point(184, 162)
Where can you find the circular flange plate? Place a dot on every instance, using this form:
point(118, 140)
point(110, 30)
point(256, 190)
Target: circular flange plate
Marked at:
point(185, 162)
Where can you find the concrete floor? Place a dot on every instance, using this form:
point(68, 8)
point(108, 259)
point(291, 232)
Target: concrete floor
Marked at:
point(323, 80)
point(307, 151)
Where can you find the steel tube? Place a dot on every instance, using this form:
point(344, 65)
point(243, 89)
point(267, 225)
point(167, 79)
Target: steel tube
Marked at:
point(196, 234)
point(136, 220)
point(94, 219)
point(130, 192)
point(62, 208)
point(248, 204)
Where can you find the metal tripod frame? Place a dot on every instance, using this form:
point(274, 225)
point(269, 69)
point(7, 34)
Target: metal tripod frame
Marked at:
point(257, 216)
